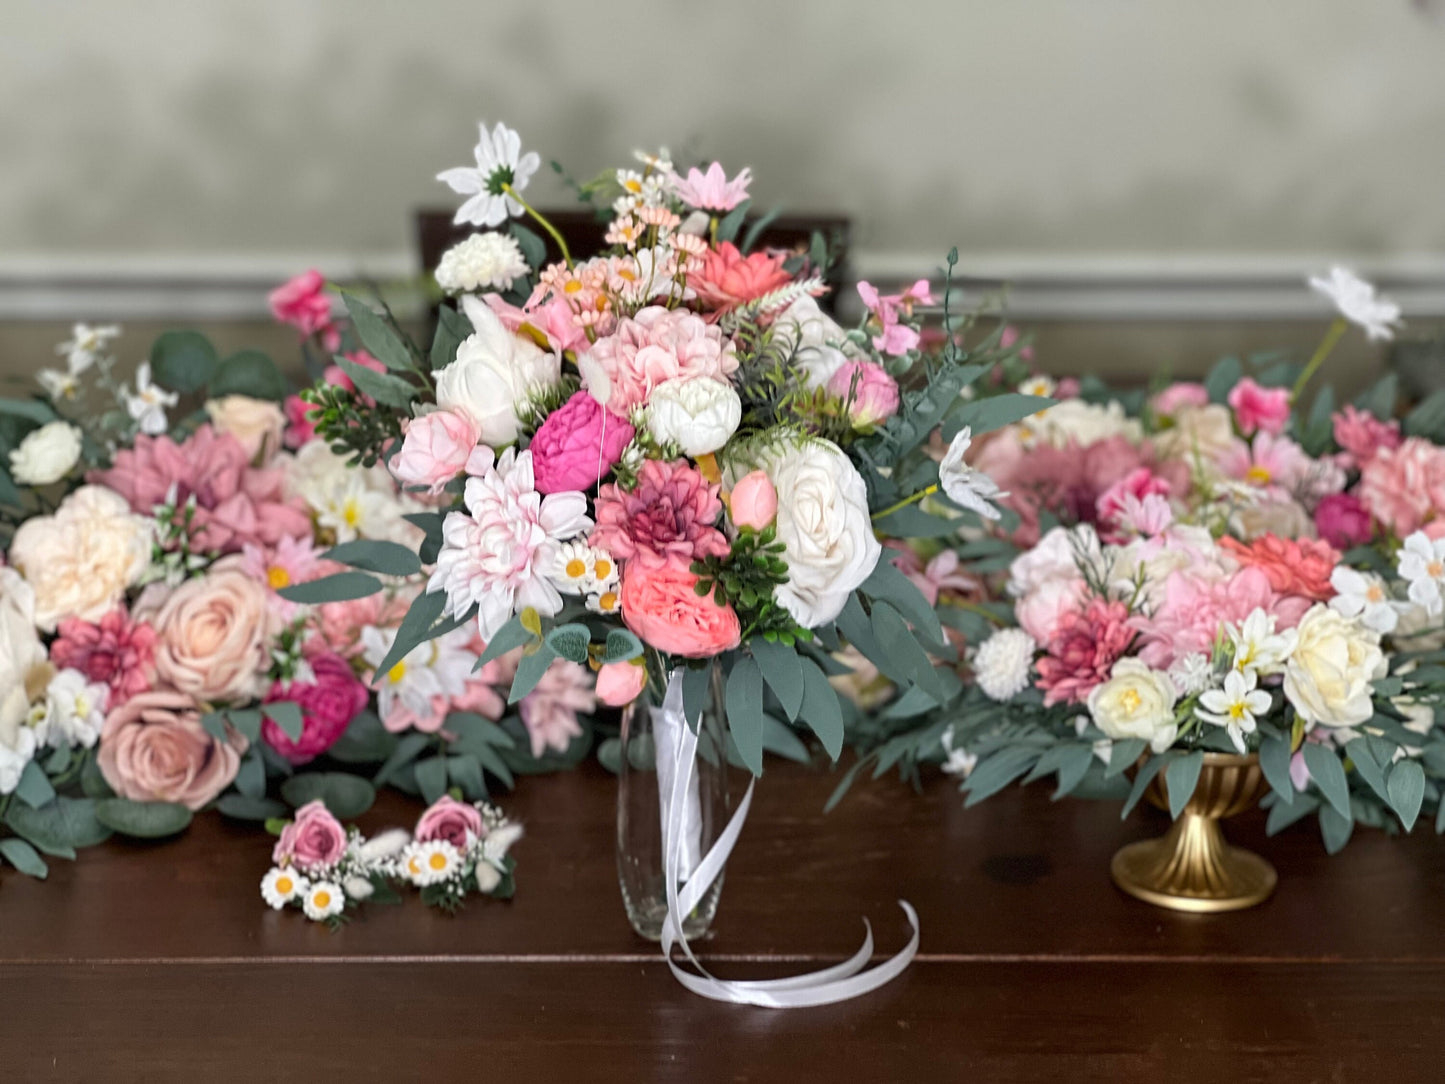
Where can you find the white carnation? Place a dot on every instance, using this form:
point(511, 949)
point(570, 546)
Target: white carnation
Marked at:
point(74, 709)
point(484, 261)
point(1001, 664)
point(494, 372)
point(698, 414)
point(46, 454)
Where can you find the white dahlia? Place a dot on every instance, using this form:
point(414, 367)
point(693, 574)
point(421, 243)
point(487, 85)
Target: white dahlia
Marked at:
point(484, 261)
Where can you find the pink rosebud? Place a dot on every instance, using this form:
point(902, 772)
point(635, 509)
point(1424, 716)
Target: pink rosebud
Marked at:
point(303, 303)
point(300, 429)
point(1343, 521)
point(448, 819)
point(313, 840)
point(328, 703)
point(435, 450)
point(618, 683)
point(754, 501)
point(1257, 408)
point(871, 394)
point(577, 444)
point(1176, 397)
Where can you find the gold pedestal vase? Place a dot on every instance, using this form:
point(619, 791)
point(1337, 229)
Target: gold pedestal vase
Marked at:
point(1191, 867)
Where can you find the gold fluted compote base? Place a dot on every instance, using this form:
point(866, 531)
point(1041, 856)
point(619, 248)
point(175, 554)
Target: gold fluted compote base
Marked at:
point(1192, 868)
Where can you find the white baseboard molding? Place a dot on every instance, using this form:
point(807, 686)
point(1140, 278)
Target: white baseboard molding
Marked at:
point(1035, 287)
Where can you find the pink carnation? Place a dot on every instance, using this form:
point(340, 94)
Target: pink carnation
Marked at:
point(1362, 435)
point(236, 503)
point(871, 394)
point(727, 278)
point(1343, 521)
point(666, 520)
point(1403, 487)
point(1258, 408)
point(115, 651)
point(328, 703)
point(1083, 650)
point(577, 445)
point(1177, 397)
point(1193, 609)
point(657, 344)
point(304, 303)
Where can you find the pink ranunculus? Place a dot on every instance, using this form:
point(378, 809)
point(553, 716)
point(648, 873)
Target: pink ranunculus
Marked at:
point(153, 748)
point(1299, 566)
point(666, 520)
point(870, 393)
point(1176, 397)
point(1259, 409)
point(577, 445)
point(549, 711)
point(619, 683)
point(1082, 651)
point(435, 450)
point(665, 611)
point(1193, 608)
point(1110, 507)
point(304, 303)
point(655, 345)
point(458, 823)
point(115, 651)
point(1362, 435)
point(313, 840)
point(754, 501)
point(1343, 521)
point(328, 703)
point(727, 278)
point(1040, 612)
point(235, 502)
point(1403, 487)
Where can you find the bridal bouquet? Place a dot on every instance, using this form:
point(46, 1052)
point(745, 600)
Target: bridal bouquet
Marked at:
point(1210, 568)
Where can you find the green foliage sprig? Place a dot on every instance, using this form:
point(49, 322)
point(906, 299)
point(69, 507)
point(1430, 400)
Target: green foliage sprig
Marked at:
point(745, 580)
point(352, 427)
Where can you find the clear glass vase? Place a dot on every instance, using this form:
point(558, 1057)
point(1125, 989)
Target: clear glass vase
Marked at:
point(651, 728)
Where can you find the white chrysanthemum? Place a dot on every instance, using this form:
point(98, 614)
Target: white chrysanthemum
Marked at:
point(431, 862)
point(323, 900)
point(501, 165)
point(280, 886)
point(484, 261)
point(1192, 673)
point(1001, 664)
point(966, 486)
point(1358, 303)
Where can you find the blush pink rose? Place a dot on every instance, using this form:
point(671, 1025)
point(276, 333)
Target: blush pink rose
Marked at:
point(1403, 487)
point(663, 608)
point(871, 394)
point(1362, 435)
point(618, 683)
point(1343, 521)
point(447, 819)
point(754, 501)
point(314, 840)
point(304, 303)
point(435, 450)
point(328, 703)
point(153, 748)
point(1257, 408)
point(577, 444)
point(1176, 397)
point(214, 636)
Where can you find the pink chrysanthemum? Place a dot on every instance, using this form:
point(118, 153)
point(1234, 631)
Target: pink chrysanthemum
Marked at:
point(549, 711)
point(711, 191)
point(657, 344)
point(115, 651)
point(1083, 650)
point(666, 521)
point(290, 561)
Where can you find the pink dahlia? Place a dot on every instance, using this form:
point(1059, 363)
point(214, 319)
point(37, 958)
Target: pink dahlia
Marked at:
point(304, 303)
point(328, 703)
point(711, 191)
point(727, 278)
point(577, 445)
point(656, 345)
point(115, 651)
point(1362, 435)
point(666, 521)
point(1083, 650)
point(549, 712)
point(236, 503)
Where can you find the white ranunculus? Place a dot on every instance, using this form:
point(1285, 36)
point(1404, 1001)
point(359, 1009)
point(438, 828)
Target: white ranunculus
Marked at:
point(1136, 702)
point(1327, 677)
point(22, 656)
point(821, 346)
point(494, 373)
point(1084, 423)
point(46, 454)
point(825, 529)
point(698, 414)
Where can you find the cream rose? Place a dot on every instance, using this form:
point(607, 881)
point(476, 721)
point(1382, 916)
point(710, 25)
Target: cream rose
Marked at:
point(698, 414)
point(1327, 676)
point(1200, 435)
point(1136, 702)
point(256, 423)
point(214, 634)
point(81, 560)
point(23, 666)
point(46, 454)
point(494, 373)
point(825, 529)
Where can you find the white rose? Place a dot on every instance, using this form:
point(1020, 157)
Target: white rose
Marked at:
point(697, 413)
point(1084, 423)
point(1327, 677)
point(22, 656)
point(46, 454)
point(256, 423)
point(494, 373)
point(825, 529)
point(1200, 435)
point(1136, 702)
point(81, 560)
point(821, 347)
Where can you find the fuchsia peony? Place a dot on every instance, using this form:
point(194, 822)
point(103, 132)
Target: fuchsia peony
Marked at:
point(1362, 435)
point(665, 521)
point(1082, 651)
point(304, 303)
point(314, 840)
point(115, 651)
point(577, 445)
point(235, 503)
point(328, 703)
point(1299, 567)
point(1343, 521)
point(655, 345)
point(665, 611)
point(1259, 409)
point(1403, 487)
point(728, 279)
point(870, 393)
point(435, 450)
point(458, 823)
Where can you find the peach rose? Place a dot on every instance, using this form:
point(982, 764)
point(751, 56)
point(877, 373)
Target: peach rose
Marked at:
point(618, 683)
point(661, 606)
point(256, 424)
point(154, 749)
point(214, 633)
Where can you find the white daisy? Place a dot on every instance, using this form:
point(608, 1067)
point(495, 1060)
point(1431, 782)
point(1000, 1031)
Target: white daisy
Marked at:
point(965, 486)
point(1001, 664)
point(572, 571)
point(1357, 302)
point(500, 164)
point(1422, 566)
point(484, 261)
point(431, 862)
point(437, 668)
point(280, 886)
point(1258, 649)
point(1365, 596)
point(85, 345)
point(150, 402)
point(659, 162)
point(1040, 385)
point(323, 900)
point(607, 600)
point(1235, 707)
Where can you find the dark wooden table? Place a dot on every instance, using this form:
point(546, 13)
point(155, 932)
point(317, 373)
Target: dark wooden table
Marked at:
point(160, 962)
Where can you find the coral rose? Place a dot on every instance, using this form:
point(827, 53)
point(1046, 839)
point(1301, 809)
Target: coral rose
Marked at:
point(577, 444)
point(214, 633)
point(448, 819)
point(662, 607)
point(314, 840)
point(154, 749)
point(328, 703)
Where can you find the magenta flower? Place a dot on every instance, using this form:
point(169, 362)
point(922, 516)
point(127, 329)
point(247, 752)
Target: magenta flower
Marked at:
point(303, 303)
point(667, 521)
point(1083, 650)
point(1258, 408)
point(1343, 521)
point(711, 191)
point(577, 445)
point(328, 703)
point(115, 651)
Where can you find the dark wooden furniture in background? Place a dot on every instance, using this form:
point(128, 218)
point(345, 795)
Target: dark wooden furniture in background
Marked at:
point(160, 962)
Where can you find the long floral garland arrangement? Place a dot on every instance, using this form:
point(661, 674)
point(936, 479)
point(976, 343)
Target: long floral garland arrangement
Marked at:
point(1228, 566)
point(430, 568)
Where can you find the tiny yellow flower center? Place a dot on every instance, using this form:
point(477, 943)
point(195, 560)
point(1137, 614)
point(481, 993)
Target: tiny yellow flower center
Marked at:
point(322, 899)
point(572, 287)
point(1259, 475)
point(1435, 569)
point(351, 512)
point(1236, 710)
point(608, 601)
point(576, 568)
point(1130, 700)
point(412, 867)
point(1375, 593)
point(397, 672)
point(437, 861)
point(285, 885)
point(633, 185)
point(602, 568)
point(278, 577)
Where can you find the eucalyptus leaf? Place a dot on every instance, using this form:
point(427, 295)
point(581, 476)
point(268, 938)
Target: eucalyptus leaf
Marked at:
point(286, 714)
point(143, 820)
point(63, 823)
point(339, 587)
point(1407, 790)
point(377, 335)
point(745, 712)
point(1274, 758)
point(1329, 775)
point(183, 361)
point(822, 711)
point(431, 777)
point(622, 646)
point(386, 389)
point(530, 669)
point(782, 669)
point(345, 795)
point(34, 788)
point(23, 857)
point(570, 642)
point(512, 634)
point(452, 330)
point(375, 555)
point(250, 373)
point(1180, 779)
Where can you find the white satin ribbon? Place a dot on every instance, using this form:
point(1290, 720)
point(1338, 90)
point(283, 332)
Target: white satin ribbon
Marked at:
point(681, 837)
